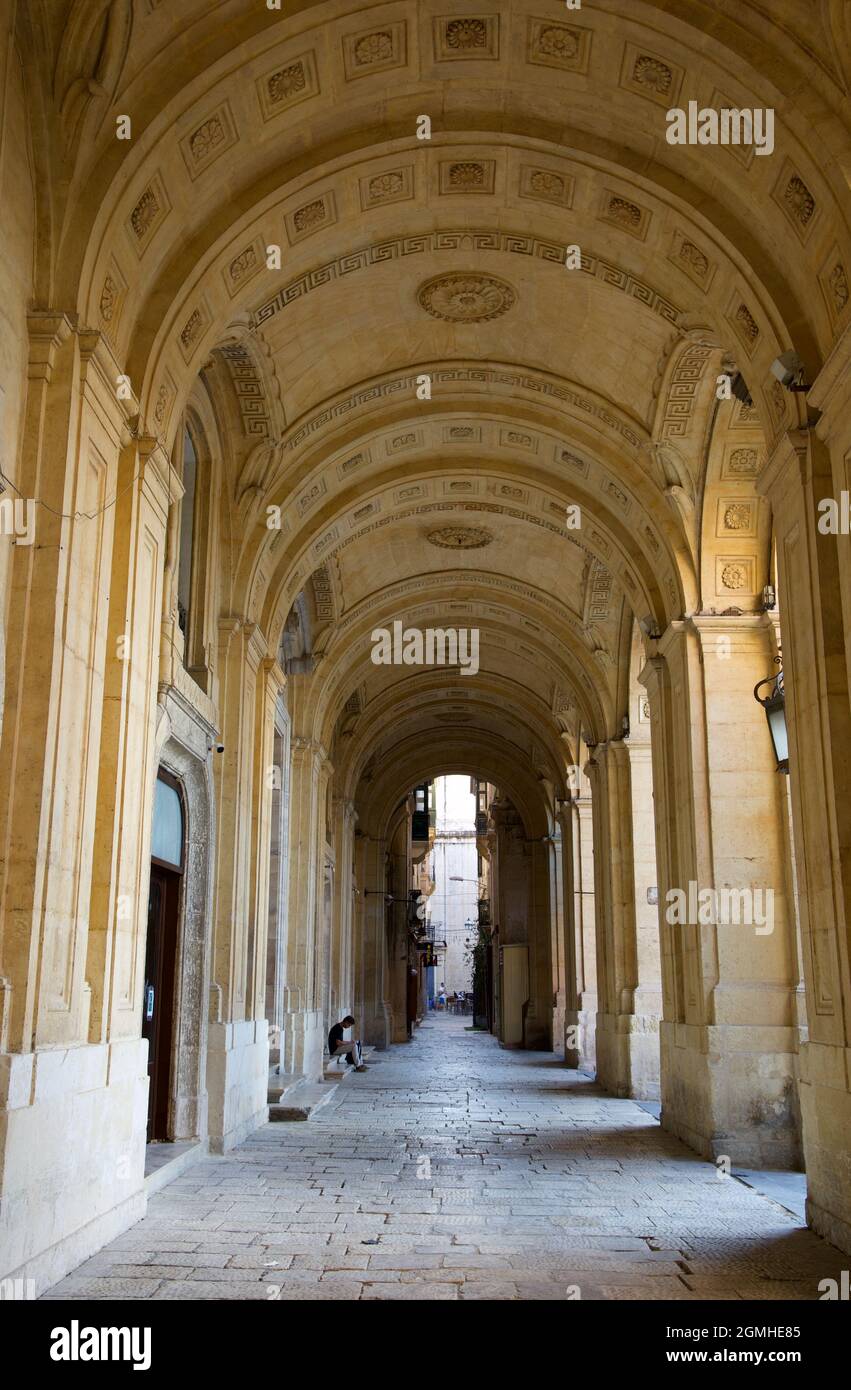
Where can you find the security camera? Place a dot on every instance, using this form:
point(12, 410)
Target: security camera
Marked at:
point(220, 748)
point(649, 628)
point(789, 371)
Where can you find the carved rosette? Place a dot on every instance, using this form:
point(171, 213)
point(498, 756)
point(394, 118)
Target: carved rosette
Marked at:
point(460, 537)
point(466, 298)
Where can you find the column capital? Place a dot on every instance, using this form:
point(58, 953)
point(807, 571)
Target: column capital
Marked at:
point(564, 812)
point(613, 750)
point(650, 673)
point(640, 752)
point(256, 645)
point(309, 747)
point(273, 673)
point(48, 330)
point(675, 633)
point(159, 477)
point(746, 632)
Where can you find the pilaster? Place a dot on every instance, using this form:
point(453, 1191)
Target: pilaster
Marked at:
point(813, 590)
point(302, 1041)
point(627, 1030)
point(728, 965)
point(580, 1017)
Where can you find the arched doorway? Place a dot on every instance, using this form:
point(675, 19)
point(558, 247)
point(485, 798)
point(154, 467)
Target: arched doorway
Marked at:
point(164, 905)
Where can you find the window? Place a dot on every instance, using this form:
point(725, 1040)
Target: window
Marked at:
point(187, 538)
point(167, 825)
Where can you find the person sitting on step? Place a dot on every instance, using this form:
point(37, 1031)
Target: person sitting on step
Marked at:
point(352, 1051)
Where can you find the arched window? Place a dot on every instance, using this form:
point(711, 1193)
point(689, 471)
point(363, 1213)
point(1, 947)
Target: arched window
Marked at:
point(187, 539)
point(167, 832)
point(196, 550)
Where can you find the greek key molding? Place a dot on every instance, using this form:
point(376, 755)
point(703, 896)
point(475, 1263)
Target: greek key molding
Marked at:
point(535, 383)
point(464, 242)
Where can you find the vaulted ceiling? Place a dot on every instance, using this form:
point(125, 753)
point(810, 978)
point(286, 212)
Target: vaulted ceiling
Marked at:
point(399, 358)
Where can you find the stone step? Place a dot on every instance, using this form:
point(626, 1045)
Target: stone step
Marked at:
point(164, 1162)
point(302, 1101)
point(280, 1084)
point(298, 1099)
point(338, 1069)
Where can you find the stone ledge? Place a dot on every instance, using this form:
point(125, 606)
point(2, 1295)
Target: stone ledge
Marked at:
point(299, 1099)
point(280, 1084)
point(302, 1101)
point(165, 1162)
point(334, 1072)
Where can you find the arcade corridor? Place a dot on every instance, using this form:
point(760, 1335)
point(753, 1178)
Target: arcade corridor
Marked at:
point(452, 1169)
point(389, 393)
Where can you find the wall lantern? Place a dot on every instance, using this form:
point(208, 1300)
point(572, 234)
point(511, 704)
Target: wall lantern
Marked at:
point(774, 704)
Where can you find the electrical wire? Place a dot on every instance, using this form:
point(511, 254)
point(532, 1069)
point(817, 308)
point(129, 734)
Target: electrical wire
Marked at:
point(71, 516)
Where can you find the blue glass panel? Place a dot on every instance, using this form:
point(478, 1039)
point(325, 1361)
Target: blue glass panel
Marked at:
point(167, 834)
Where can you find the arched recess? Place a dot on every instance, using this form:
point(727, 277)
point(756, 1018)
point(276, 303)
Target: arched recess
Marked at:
point(735, 521)
point(521, 917)
point(181, 753)
point(345, 489)
point(203, 584)
point(663, 184)
point(468, 754)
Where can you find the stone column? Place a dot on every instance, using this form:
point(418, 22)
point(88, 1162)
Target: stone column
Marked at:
point(121, 874)
point(345, 820)
point(558, 929)
point(815, 599)
point(728, 1037)
point(61, 1201)
point(238, 1042)
point(302, 1041)
point(647, 999)
point(581, 951)
point(371, 1007)
point(276, 953)
point(540, 1015)
point(270, 684)
point(627, 1036)
point(324, 894)
point(396, 918)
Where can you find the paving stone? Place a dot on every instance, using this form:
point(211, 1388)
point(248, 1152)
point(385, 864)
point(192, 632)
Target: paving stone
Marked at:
point(196, 1259)
point(444, 1292)
point(538, 1183)
point(400, 1261)
point(488, 1291)
point(197, 1288)
point(261, 1259)
point(105, 1288)
point(336, 1292)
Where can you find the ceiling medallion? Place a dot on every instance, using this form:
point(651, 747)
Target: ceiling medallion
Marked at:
point(466, 298)
point(460, 537)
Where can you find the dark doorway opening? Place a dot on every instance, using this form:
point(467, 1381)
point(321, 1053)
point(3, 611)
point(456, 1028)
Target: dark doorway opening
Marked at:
point(158, 1000)
point(158, 1008)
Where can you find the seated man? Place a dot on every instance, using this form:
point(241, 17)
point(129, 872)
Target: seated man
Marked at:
point(351, 1050)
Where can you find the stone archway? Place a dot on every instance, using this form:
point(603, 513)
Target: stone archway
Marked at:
point(184, 753)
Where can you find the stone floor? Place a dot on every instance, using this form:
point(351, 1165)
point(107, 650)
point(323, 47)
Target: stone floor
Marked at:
point(454, 1169)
